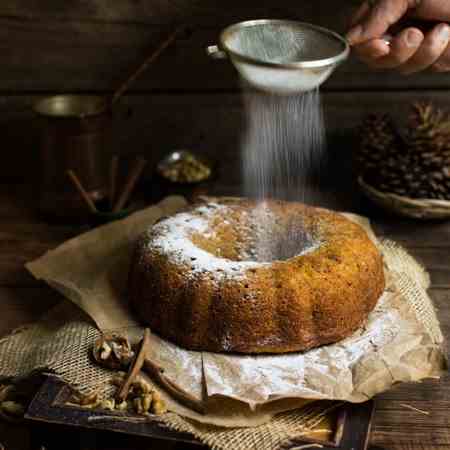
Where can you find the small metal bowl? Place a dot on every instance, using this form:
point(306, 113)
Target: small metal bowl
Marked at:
point(177, 157)
point(104, 214)
point(103, 217)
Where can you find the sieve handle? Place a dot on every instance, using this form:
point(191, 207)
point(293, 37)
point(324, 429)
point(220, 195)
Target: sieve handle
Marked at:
point(214, 52)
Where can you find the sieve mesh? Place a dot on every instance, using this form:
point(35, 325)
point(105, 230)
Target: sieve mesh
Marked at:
point(283, 42)
point(281, 56)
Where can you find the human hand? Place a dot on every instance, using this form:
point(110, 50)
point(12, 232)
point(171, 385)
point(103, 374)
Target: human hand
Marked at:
point(411, 50)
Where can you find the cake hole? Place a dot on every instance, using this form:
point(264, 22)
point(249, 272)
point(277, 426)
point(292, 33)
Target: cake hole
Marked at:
point(258, 235)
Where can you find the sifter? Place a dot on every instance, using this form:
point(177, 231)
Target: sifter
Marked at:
point(281, 56)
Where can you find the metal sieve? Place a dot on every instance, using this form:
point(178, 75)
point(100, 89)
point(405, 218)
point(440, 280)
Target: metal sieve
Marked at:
point(281, 56)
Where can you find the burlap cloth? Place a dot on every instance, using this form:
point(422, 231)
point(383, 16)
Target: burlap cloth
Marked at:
point(60, 343)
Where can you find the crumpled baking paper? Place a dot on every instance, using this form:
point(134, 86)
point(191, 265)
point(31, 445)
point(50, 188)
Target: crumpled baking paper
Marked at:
point(401, 341)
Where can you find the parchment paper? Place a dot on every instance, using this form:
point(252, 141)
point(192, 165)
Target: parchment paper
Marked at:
point(400, 342)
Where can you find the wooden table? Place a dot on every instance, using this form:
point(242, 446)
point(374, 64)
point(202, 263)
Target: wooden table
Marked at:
point(23, 237)
point(186, 99)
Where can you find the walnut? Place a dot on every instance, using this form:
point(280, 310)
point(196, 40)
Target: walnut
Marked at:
point(137, 404)
point(108, 404)
point(140, 387)
point(12, 403)
point(84, 400)
point(105, 351)
point(12, 408)
point(159, 407)
point(118, 378)
point(146, 401)
point(123, 406)
point(113, 351)
point(157, 396)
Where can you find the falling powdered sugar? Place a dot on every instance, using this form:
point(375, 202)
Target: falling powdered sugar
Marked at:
point(283, 154)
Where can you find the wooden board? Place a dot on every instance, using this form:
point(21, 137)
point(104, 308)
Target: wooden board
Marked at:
point(49, 406)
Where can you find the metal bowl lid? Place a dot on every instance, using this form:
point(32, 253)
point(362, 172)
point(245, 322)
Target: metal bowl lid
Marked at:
point(70, 106)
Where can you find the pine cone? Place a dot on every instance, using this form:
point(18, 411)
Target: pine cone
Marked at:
point(378, 140)
point(416, 166)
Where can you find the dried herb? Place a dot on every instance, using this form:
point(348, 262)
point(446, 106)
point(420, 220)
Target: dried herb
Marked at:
point(188, 169)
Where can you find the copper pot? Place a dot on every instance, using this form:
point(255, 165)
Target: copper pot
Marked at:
point(74, 135)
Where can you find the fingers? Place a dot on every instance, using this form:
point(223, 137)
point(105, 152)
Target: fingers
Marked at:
point(371, 51)
point(433, 47)
point(443, 63)
point(360, 13)
point(401, 49)
point(410, 51)
point(381, 16)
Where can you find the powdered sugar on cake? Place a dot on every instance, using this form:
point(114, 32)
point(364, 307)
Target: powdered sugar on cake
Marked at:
point(177, 245)
point(172, 237)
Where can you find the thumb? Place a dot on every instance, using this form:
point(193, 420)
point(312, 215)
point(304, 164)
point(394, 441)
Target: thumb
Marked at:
point(382, 14)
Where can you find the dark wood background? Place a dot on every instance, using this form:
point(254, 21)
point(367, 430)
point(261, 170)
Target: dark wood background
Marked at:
point(88, 47)
point(186, 99)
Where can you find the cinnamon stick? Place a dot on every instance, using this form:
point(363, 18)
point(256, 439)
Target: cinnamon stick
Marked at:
point(113, 168)
point(83, 194)
point(173, 389)
point(142, 361)
point(135, 367)
point(136, 172)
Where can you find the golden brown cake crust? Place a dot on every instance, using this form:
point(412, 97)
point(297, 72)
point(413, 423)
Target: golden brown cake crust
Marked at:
point(193, 282)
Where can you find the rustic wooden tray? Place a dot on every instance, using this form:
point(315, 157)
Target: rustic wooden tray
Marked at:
point(353, 422)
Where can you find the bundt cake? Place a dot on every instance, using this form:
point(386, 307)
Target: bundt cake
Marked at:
point(236, 276)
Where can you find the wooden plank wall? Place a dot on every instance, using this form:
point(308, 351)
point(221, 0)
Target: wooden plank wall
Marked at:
point(73, 46)
point(186, 99)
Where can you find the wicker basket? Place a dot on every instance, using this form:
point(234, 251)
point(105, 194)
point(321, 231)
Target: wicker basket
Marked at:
point(426, 209)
